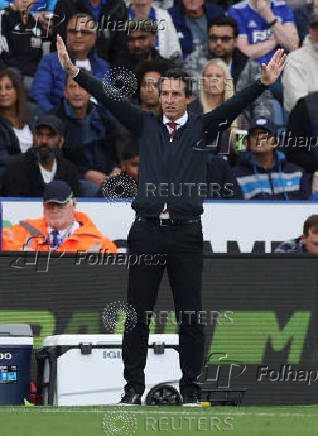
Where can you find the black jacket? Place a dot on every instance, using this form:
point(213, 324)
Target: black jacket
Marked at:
point(24, 179)
point(168, 169)
point(9, 142)
point(21, 45)
point(110, 44)
point(102, 150)
point(301, 141)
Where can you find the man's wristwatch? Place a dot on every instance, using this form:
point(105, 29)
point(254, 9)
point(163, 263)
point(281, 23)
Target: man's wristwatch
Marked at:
point(272, 23)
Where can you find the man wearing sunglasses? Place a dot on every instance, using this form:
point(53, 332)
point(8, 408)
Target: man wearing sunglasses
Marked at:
point(49, 80)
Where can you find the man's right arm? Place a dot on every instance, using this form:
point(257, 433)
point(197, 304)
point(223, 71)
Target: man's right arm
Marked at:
point(129, 115)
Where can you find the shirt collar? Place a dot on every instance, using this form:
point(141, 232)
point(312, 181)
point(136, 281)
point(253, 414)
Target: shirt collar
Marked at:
point(180, 121)
point(65, 233)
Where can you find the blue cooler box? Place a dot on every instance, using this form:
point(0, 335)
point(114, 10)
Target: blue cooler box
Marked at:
point(16, 345)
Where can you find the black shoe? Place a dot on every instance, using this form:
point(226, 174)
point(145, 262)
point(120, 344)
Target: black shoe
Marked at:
point(191, 399)
point(130, 398)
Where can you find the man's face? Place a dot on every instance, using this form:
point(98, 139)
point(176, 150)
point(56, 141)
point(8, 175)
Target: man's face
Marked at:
point(193, 5)
point(77, 96)
point(59, 215)
point(261, 141)
point(81, 35)
point(173, 100)
point(311, 242)
point(131, 167)
point(221, 41)
point(46, 141)
point(140, 43)
point(313, 31)
point(149, 92)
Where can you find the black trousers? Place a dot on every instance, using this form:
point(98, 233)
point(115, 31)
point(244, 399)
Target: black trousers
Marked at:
point(183, 247)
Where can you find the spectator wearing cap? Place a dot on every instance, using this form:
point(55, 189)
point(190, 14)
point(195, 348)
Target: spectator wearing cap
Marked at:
point(306, 243)
point(89, 137)
point(167, 42)
point(49, 80)
point(28, 173)
point(141, 43)
point(61, 228)
point(264, 173)
point(300, 76)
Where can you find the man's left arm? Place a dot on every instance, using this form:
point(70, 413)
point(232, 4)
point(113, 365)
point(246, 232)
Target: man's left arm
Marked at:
point(225, 114)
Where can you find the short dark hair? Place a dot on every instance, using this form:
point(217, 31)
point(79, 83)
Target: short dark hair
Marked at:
point(182, 75)
point(225, 20)
point(144, 25)
point(128, 155)
point(148, 66)
point(311, 223)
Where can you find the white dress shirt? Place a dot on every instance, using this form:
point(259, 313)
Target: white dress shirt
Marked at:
point(180, 122)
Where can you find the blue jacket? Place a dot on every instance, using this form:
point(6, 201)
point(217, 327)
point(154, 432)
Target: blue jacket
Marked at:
point(49, 80)
point(283, 181)
point(184, 33)
point(89, 142)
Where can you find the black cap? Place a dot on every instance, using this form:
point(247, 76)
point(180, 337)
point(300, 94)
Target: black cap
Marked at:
point(57, 191)
point(313, 18)
point(52, 121)
point(263, 123)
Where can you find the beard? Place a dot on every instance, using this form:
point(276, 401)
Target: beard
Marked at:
point(45, 155)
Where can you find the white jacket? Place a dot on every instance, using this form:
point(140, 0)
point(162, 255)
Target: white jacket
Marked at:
point(167, 35)
point(300, 76)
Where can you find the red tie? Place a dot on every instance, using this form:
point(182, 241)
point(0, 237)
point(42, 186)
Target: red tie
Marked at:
point(174, 127)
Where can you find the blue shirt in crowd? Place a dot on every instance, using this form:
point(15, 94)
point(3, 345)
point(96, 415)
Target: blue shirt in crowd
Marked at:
point(252, 26)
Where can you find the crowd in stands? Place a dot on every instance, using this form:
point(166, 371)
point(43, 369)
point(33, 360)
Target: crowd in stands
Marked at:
point(51, 128)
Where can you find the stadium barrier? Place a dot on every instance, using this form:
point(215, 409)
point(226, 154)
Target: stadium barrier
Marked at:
point(228, 226)
point(259, 313)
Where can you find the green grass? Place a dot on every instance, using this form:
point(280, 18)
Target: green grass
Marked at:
point(159, 421)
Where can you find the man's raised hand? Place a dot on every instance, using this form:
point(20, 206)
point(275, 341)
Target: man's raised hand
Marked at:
point(64, 58)
point(274, 68)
